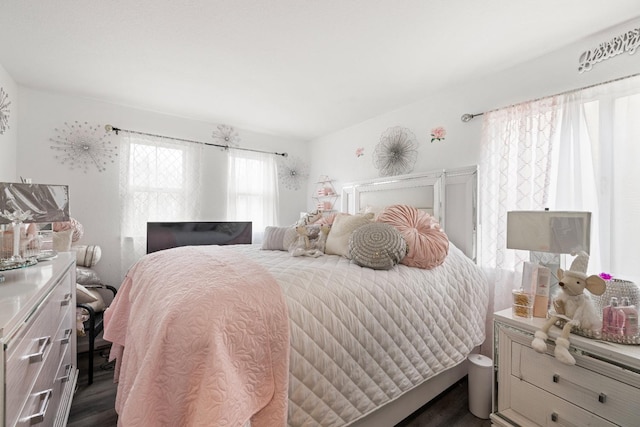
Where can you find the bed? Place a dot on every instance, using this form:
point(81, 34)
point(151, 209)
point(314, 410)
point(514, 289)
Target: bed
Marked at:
point(301, 341)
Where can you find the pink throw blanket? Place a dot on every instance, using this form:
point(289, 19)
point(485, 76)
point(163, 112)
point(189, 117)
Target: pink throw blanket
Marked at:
point(201, 338)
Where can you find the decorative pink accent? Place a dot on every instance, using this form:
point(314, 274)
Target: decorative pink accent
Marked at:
point(428, 244)
point(360, 151)
point(438, 134)
point(192, 351)
point(327, 219)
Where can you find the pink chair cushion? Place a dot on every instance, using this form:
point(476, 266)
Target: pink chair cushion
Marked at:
point(428, 244)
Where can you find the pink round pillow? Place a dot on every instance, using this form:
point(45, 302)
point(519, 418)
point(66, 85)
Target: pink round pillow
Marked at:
point(428, 245)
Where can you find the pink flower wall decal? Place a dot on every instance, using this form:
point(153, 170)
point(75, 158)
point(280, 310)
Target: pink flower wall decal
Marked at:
point(438, 134)
point(360, 152)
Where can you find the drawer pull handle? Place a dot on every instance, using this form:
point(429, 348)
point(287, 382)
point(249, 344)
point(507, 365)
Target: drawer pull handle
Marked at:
point(39, 417)
point(554, 417)
point(556, 378)
point(42, 347)
point(67, 374)
point(67, 335)
point(66, 300)
point(602, 398)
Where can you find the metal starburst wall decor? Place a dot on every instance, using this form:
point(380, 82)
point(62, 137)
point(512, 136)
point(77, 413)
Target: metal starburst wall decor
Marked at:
point(4, 111)
point(291, 172)
point(396, 153)
point(226, 135)
point(83, 146)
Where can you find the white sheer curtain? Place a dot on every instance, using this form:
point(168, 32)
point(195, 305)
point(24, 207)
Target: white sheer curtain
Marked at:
point(515, 171)
point(253, 190)
point(576, 151)
point(598, 171)
point(159, 181)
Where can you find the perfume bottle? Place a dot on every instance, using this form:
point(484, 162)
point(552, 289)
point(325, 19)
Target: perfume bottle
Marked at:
point(541, 302)
point(613, 318)
point(631, 318)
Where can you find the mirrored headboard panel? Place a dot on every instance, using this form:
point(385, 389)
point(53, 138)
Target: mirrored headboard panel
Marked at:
point(449, 195)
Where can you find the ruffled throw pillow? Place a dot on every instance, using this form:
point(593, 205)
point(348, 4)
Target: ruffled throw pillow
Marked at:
point(428, 245)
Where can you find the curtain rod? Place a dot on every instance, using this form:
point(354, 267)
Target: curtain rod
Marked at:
point(467, 116)
point(110, 128)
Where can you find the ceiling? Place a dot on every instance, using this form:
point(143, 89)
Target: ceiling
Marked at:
point(295, 68)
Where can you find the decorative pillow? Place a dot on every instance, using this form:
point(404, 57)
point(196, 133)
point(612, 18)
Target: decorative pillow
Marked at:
point(343, 226)
point(62, 240)
point(83, 295)
point(327, 219)
point(72, 224)
point(309, 218)
point(377, 245)
point(278, 238)
point(86, 276)
point(87, 256)
point(428, 244)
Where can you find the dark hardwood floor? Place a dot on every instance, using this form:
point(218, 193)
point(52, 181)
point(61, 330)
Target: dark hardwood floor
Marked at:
point(93, 406)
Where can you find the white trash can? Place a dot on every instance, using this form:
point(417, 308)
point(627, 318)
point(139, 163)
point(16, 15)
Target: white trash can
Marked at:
point(480, 385)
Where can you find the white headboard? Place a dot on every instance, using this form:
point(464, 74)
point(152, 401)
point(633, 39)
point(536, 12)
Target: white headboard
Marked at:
point(450, 195)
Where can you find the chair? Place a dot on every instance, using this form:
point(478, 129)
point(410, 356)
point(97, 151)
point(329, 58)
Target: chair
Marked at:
point(89, 298)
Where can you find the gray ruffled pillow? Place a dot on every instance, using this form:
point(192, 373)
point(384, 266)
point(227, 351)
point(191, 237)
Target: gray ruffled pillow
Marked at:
point(377, 245)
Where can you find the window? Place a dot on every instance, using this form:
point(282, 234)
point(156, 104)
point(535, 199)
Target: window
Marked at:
point(253, 190)
point(160, 181)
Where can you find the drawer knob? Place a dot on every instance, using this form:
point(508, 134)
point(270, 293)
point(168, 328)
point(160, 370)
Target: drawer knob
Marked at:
point(66, 300)
point(556, 378)
point(67, 335)
point(602, 398)
point(554, 417)
point(38, 356)
point(67, 374)
point(38, 417)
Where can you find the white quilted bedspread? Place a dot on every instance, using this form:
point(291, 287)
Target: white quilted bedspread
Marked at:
point(363, 337)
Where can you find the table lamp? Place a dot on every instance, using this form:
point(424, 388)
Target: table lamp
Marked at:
point(30, 203)
point(547, 235)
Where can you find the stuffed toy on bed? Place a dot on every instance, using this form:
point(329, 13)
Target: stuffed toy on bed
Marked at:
point(572, 305)
point(307, 242)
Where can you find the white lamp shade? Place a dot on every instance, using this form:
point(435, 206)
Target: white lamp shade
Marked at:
point(559, 232)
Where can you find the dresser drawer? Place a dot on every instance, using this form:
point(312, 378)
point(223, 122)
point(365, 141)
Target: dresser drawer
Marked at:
point(546, 409)
point(43, 401)
point(40, 343)
point(599, 394)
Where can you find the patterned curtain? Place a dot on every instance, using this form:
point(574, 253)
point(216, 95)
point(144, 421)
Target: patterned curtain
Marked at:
point(515, 174)
point(159, 181)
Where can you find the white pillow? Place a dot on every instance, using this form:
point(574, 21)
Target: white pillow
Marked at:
point(343, 226)
point(278, 238)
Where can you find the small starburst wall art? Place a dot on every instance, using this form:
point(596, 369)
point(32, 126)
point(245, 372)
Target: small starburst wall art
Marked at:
point(4, 111)
point(292, 172)
point(82, 146)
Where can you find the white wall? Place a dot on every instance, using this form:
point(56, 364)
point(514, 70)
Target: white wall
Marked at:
point(334, 154)
point(94, 197)
point(9, 139)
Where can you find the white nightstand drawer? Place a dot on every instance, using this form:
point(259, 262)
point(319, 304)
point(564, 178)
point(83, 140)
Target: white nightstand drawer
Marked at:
point(604, 396)
point(545, 409)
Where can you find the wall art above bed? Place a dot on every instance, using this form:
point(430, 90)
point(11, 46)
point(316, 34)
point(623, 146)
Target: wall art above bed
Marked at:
point(396, 153)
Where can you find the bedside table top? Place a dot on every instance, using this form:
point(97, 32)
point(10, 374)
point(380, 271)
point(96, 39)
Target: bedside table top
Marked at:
point(626, 354)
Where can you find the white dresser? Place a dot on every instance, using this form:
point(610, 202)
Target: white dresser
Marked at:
point(38, 366)
point(531, 389)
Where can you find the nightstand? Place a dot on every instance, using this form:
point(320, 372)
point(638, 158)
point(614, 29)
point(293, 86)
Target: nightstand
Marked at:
point(531, 389)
